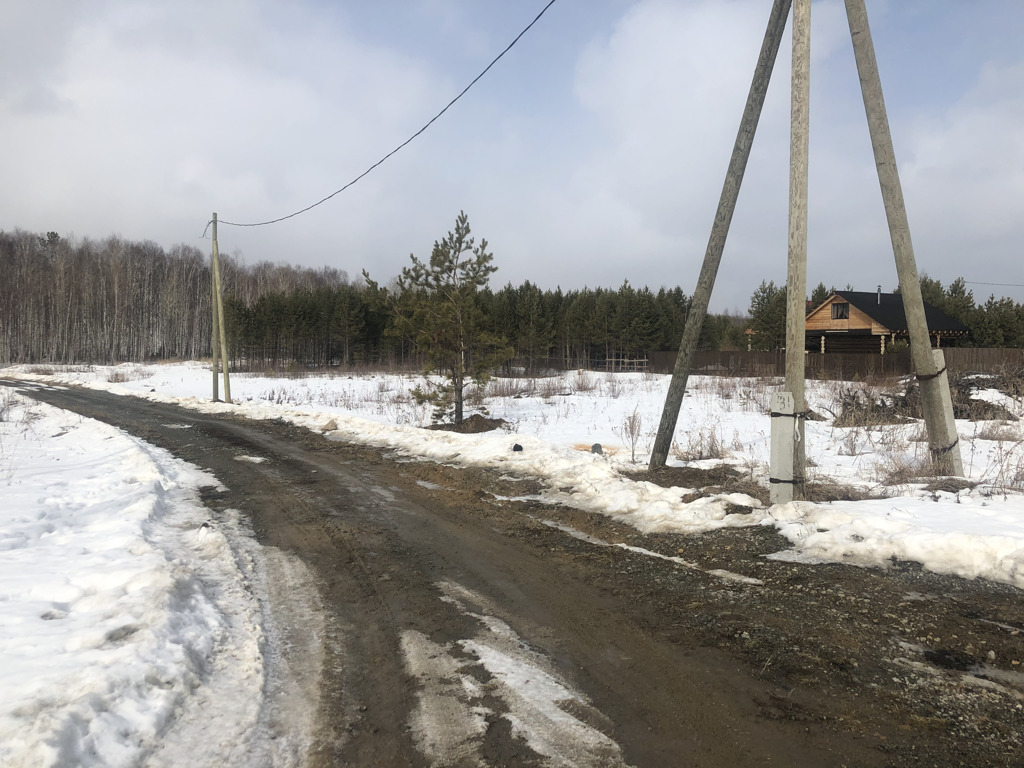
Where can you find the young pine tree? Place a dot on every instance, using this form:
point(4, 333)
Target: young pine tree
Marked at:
point(437, 306)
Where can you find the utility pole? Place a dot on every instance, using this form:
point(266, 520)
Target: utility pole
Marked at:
point(719, 231)
point(219, 333)
point(215, 324)
point(929, 365)
point(787, 477)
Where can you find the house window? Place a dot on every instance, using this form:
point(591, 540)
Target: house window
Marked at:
point(840, 311)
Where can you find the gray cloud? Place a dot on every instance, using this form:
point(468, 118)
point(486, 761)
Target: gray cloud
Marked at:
point(593, 153)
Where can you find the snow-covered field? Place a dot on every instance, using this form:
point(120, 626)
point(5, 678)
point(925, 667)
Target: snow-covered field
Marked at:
point(123, 617)
point(131, 631)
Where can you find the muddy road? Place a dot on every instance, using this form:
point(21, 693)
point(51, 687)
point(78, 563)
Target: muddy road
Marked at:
point(469, 624)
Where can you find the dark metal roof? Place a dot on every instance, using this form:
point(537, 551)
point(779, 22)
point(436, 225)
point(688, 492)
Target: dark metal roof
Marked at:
point(887, 309)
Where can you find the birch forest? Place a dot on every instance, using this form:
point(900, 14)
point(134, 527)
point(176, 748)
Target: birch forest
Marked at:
point(113, 300)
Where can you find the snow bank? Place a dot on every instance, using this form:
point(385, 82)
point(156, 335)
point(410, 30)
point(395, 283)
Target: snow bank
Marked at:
point(117, 600)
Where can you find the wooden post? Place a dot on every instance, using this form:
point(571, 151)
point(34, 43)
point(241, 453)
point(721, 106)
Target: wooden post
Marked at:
point(219, 329)
point(719, 231)
point(942, 436)
point(215, 325)
point(796, 277)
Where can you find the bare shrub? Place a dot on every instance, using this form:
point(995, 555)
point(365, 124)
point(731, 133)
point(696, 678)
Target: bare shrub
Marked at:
point(849, 445)
point(726, 388)
point(828, 489)
point(899, 461)
point(1006, 467)
point(553, 387)
point(999, 432)
point(122, 374)
point(903, 470)
point(1010, 381)
point(702, 443)
point(583, 382)
point(755, 394)
point(613, 386)
point(630, 430)
point(8, 397)
point(509, 387)
point(867, 407)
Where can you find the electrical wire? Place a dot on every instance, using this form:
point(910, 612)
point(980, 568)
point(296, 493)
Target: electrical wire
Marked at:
point(1004, 285)
point(404, 143)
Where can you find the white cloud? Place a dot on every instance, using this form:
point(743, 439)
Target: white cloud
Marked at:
point(967, 166)
point(595, 152)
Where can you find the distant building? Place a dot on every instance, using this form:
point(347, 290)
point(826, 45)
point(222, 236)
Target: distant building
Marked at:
point(861, 321)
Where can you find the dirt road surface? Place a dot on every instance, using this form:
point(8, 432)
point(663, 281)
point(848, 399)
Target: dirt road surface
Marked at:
point(465, 623)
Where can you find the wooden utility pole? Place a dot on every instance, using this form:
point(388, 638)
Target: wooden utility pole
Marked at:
point(929, 365)
point(719, 231)
point(215, 317)
point(219, 333)
point(791, 486)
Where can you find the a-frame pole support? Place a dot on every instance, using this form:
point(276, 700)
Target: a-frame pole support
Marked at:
point(719, 231)
point(929, 365)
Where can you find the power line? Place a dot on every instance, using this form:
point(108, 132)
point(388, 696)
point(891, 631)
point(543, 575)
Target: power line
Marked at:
point(1004, 285)
point(404, 143)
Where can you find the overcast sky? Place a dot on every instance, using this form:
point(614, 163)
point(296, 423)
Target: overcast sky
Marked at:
point(593, 153)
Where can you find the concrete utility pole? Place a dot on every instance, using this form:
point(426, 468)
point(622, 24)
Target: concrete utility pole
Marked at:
point(929, 365)
point(219, 332)
point(789, 485)
point(719, 231)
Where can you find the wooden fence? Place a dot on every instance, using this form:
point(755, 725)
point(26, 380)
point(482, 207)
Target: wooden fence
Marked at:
point(842, 367)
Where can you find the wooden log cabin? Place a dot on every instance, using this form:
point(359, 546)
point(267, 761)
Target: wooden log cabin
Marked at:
point(861, 321)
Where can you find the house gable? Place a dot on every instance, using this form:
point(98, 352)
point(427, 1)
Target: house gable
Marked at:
point(823, 319)
point(861, 321)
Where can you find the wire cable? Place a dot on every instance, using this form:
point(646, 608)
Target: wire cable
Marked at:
point(404, 143)
point(1004, 285)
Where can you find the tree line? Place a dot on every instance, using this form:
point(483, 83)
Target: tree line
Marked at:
point(366, 324)
point(113, 300)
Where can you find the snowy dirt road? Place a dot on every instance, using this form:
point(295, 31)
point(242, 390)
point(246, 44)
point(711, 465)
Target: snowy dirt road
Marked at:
point(465, 624)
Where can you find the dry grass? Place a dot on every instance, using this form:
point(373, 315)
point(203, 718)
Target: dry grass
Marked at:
point(705, 442)
point(999, 432)
point(122, 374)
point(510, 388)
point(8, 397)
point(583, 381)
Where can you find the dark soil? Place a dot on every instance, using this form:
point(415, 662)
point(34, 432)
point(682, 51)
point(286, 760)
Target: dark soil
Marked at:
point(472, 425)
